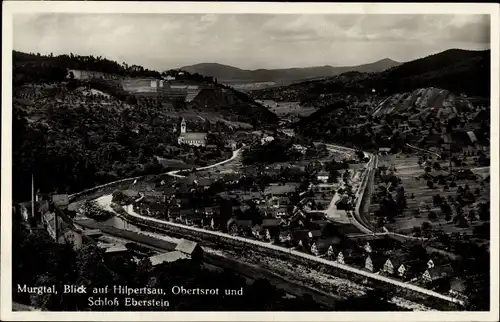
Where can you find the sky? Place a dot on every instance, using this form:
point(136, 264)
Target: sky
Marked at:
point(249, 41)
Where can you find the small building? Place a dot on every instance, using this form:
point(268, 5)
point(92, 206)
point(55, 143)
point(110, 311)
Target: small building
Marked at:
point(371, 243)
point(412, 269)
point(403, 126)
point(374, 263)
point(279, 212)
point(168, 257)
point(435, 274)
point(324, 188)
point(115, 250)
point(231, 178)
point(301, 238)
point(259, 232)
point(93, 233)
point(62, 231)
point(435, 261)
point(131, 193)
point(458, 288)
point(189, 248)
point(271, 223)
point(238, 226)
point(437, 174)
point(464, 174)
point(395, 265)
point(266, 139)
point(314, 234)
point(280, 190)
point(351, 257)
point(384, 150)
point(61, 201)
point(231, 144)
point(288, 132)
point(322, 245)
point(323, 176)
point(285, 237)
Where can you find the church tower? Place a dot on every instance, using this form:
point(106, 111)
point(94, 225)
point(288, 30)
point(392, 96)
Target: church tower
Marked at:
point(183, 126)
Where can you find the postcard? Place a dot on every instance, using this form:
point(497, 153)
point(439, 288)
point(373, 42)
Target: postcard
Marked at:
point(249, 161)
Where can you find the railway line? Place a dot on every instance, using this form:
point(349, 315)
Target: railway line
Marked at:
point(358, 220)
point(252, 272)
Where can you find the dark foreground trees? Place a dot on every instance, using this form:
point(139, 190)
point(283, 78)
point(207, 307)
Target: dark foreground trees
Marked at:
point(38, 261)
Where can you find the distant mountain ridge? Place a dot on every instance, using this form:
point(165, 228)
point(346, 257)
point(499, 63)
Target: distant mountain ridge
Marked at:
point(230, 74)
point(456, 70)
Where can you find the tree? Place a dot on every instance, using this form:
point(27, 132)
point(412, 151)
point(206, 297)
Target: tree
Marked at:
point(426, 227)
point(333, 176)
point(90, 263)
point(482, 231)
point(417, 231)
point(430, 184)
point(401, 199)
point(484, 211)
point(437, 200)
point(418, 252)
point(472, 215)
point(46, 301)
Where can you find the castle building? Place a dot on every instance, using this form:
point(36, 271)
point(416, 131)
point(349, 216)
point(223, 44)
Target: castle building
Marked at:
point(191, 138)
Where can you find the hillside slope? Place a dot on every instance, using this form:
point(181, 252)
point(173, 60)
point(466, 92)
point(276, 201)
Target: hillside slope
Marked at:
point(75, 134)
point(411, 103)
point(229, 74)
point(135, 81)
point(421, 117)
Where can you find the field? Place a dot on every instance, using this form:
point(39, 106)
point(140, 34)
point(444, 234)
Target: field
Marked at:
point(408, 169)
point(199, 117)
point(287, 108)
point(426, 100)
point(252, 86)
point(138, 85)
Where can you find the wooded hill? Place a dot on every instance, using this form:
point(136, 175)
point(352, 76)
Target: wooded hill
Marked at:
point(461, 71)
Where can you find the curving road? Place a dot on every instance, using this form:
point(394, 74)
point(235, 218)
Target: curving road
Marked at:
point(357, 220)
point(235, 155)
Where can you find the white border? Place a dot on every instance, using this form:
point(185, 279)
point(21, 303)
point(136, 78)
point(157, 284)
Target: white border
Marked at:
point(203, 7)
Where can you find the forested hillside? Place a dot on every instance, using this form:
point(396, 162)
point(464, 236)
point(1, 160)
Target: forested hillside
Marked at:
point(73, 134)
point(460, 71)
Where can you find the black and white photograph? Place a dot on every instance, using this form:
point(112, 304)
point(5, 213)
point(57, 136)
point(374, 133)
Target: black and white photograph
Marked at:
point(244, 161)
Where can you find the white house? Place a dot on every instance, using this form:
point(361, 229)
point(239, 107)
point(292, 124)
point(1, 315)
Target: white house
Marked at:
point(323, 176)
point(267, 139)
point(340, 258)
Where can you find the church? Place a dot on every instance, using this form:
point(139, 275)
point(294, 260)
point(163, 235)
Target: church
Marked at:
point(192, 138)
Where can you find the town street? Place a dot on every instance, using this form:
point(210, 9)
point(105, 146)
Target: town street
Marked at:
point(235, 155)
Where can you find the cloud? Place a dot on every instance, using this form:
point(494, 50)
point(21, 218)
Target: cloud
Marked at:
point(249, 40)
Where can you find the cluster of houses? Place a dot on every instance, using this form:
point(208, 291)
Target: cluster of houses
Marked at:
point(283, 223)
point(386, 256)
point(51, 213)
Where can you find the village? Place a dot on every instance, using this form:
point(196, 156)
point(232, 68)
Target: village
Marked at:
point(304, 198)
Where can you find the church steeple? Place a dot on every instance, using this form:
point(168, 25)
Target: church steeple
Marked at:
point(183, 126)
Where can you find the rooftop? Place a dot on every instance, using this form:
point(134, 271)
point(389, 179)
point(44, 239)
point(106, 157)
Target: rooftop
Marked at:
point(186, 246)
point(194, 136)
point(279, 190)
point(166, 257)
